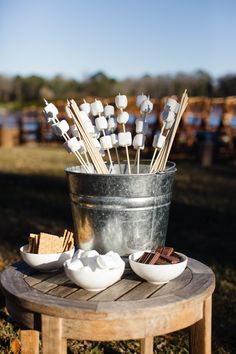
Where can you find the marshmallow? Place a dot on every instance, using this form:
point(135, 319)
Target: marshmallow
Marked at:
point(84, 117)
point(109, 260)
point(50, 111)
point(138, 141)
point(146, 106)
point(53, 120)
point(158, 140)
point(109, 110)
point(89, 127)
point(112, 124)
point(60, 128)
point(121, 101)
point(116, 258)
point(170, 105)
point(140, 99)
point(169, 124)
point(96, 143)
point(89, 259)
point(125, 139)
point(101, 123)
point(123, 117)
point(72, 145)
point(114, 140)
point(106, 142)
point(141, 126)
point(74, 131)
point(85, 107)
point(68, 112)
point(78, 254)
point(75, 264)
point(96, 107)
point(90, 253)
point(96, 133)
point(83, 149)
point(168, 116)
point(177, 108)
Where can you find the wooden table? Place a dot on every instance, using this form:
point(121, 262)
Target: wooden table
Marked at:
point(129, 309)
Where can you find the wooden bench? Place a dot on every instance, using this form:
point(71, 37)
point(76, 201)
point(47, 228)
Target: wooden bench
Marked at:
point(130, 309)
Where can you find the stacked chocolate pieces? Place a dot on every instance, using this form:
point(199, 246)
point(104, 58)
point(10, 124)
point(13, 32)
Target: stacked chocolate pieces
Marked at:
point(162, 255)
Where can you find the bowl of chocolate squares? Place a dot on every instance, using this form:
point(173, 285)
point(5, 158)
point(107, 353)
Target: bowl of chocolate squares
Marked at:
point(158, 266)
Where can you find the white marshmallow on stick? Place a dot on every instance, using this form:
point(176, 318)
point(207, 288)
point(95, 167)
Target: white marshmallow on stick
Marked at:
point(102, 125)
point(171, 105)
point(85, 107)
point(96, 108)
point(138, 144)
point(146, 106)
point(112, 124)
point(60, 128)
point(140, 99)
point(109, 112)
point(115, 144)
point(121, 103)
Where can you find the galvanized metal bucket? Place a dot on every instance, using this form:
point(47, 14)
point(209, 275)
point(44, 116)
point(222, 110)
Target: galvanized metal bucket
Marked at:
point(120, 212)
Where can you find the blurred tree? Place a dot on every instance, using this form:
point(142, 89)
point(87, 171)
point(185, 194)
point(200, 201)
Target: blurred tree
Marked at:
point(100, 85)
point(226, 85)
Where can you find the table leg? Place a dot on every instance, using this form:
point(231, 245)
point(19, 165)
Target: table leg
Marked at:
point(147, 345)
point(200, 332)
point(29, 342)
point(52, 340)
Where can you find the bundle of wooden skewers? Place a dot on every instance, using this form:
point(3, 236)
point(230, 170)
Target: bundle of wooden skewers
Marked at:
point(90, 142)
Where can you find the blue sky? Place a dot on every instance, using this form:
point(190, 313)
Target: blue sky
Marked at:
point(124, 38)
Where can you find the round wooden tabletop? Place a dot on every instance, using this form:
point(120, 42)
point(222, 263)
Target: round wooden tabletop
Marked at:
point(53, 293)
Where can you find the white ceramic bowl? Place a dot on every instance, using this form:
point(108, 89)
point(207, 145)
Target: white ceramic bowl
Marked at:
point(157, 273)
point(94, 280)
point(45, 262)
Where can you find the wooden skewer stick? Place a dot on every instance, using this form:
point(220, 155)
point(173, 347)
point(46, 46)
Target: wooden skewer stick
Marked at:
point(108, 152)
point(138, 160)
point(85, 153)
point(183, 106)
point(118, 159)
point(79, 125)
point(94, 154)
point(127, 151)
point(156, 149)
point(160, 163)
point(93, 157)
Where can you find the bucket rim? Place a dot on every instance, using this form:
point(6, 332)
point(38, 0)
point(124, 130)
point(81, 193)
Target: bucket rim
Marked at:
point(171, 169)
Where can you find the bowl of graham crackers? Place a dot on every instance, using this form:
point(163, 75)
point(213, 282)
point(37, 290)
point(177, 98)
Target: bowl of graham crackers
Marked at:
point(48, 252)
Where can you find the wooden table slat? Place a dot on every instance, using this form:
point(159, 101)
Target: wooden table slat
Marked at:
point(117, 290)
point(36, 278)
point(51, 282)
point(140, 292)
point(82, 294)
point(183, 280)
point(63, 290)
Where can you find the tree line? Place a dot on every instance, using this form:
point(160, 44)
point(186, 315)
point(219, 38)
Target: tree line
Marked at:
point(33, 88)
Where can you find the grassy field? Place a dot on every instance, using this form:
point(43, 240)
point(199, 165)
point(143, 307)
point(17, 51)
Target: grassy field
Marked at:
point(34, 197)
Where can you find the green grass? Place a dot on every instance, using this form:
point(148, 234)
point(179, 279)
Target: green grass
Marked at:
point(34, 197)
